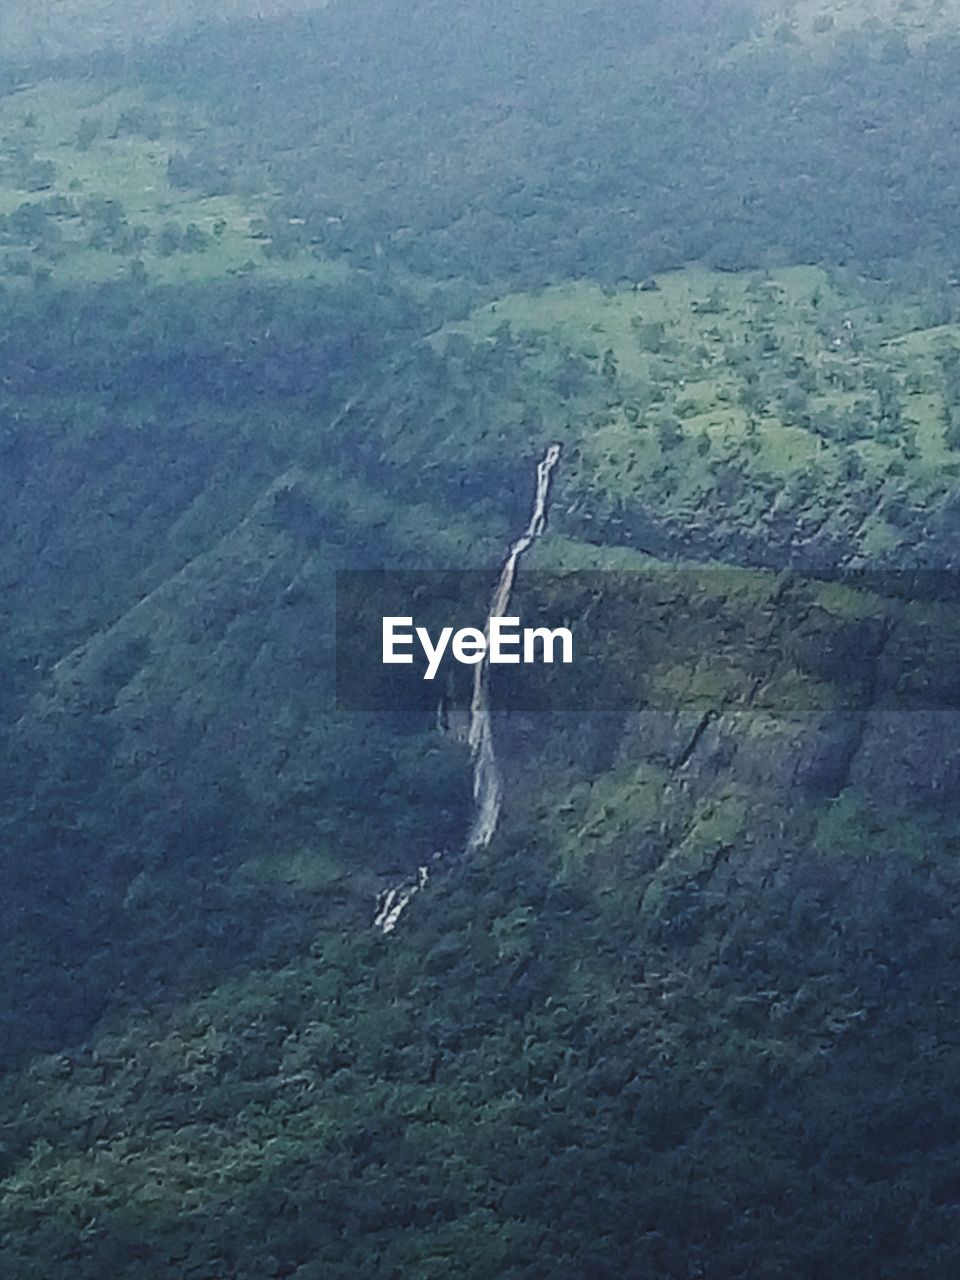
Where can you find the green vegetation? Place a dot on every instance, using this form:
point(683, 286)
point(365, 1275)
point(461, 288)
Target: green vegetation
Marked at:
point(86, 194)
point(280, 298)
point(748, 412)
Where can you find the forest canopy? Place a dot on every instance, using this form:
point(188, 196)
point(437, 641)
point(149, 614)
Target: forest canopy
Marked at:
point(294, 289)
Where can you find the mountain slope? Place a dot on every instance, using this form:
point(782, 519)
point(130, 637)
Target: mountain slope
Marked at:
point(281, 299)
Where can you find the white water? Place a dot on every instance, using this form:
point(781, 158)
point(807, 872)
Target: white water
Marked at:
point(393, 903)
point(487, 779)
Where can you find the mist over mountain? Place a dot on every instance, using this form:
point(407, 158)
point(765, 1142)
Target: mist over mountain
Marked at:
point(55, 28)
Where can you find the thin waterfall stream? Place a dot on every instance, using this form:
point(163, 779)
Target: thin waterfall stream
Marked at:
point(487, 779)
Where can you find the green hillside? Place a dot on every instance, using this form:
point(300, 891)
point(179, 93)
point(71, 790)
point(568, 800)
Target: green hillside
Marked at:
point(288, 293)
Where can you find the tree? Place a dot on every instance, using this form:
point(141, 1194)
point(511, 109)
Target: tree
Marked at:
point(194, 239)
point(669, 433)
point(169, 239)
point(87, 133)
point(137, 272)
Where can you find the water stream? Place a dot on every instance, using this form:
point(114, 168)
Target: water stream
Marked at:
point(487, 779)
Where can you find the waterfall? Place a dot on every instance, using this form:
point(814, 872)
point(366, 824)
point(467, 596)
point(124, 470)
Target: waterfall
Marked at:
point(392, 904)
point(487, 779)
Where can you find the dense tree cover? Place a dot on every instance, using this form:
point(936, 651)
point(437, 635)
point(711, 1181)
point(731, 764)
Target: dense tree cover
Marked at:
point(184, 469)
point(534, 1076)
point(690, 1014)
point(671, 987)
point(536, 143)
